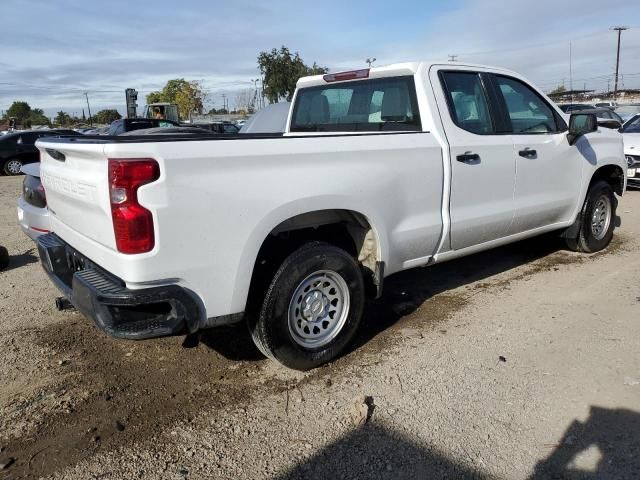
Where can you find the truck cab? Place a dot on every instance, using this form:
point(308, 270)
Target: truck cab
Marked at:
point(163, 111)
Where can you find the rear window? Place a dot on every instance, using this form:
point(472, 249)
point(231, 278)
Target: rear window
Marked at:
point(387, 104)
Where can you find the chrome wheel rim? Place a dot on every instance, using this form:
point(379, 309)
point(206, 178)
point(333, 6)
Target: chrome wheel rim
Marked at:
point(318, 309)
point(14, 166)
point(601, 218)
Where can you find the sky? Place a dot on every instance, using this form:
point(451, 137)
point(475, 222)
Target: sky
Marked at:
point(53, 51)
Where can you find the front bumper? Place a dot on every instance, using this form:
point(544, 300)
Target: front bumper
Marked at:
point(633, 170)
point(104, 298)
point(34, 221)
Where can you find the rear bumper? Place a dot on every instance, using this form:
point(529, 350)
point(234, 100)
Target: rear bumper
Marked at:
point(34, 221)
point(119, 311)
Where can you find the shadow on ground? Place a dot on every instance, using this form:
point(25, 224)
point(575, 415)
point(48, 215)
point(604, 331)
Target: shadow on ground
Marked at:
point(17, 261)
point(404, 293)
point(376, 452)
point(605, 446)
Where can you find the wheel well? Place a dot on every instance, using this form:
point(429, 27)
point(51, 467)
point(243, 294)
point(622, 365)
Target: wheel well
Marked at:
point(345, 229)
point(613, 175)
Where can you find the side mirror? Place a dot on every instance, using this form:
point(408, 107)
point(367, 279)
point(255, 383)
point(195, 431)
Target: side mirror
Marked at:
point(580, 124)
point(610, 123)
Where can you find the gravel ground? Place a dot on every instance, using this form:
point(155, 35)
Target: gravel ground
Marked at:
point(521, 362)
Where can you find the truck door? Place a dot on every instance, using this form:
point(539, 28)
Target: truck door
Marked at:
point(548, 169)
point(482, 164)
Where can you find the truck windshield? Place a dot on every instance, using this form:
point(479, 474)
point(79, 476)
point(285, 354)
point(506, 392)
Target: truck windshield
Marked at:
point(387, 104)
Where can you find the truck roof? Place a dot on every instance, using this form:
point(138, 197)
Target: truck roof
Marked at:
point(397, 69)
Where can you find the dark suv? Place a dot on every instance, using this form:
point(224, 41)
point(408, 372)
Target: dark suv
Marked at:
point(18, 149)
point(118, 127)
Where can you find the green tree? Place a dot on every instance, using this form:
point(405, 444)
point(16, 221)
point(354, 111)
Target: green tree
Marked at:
point(63, 119)
point(37, 117)
point(154, 97)
point(281, 70)
point(107, 116)
point(19, 110)
point(188, 95)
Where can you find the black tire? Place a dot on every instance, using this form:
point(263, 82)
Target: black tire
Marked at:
point(587, 241)
point(4, 258)
point(271, 330)
point(9, 167)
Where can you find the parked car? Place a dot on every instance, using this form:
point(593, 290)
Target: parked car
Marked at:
point(609, 105)
point(628, 110)
point(122, 125)
point(378, 171)
point(631, 137)
point(271, 119)
point(33, 215)
point(218, 127)
point(574, 107)
point(606, 118)
point(170, 131)
point(18, 148)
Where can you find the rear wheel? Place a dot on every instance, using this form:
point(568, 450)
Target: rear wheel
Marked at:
point(597, 220)
point(312, 308)
point(12, 166)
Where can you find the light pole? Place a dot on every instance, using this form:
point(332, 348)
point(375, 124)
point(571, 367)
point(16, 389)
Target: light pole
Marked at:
point(370, 61)
point(615, 85)
point(89, 109)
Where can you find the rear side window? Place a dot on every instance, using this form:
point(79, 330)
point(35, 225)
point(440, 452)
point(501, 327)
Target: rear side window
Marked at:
point(468, 102)
point(387, 104)
point(528, 112)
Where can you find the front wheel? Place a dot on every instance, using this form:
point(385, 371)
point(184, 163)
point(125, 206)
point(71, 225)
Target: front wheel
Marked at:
point(312, 308)
point(12, 166)
point(597, 220)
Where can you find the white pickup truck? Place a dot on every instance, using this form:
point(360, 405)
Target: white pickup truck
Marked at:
point(378, 171)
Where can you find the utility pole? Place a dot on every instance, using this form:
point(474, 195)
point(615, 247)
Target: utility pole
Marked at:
point(453, 58)
point(571, 70)
point(89, 109)
point(615, 85)
point(255, 94)
point(370, 61)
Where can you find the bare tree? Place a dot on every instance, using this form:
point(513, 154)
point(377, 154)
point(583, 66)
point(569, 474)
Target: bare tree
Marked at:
point(244, 100)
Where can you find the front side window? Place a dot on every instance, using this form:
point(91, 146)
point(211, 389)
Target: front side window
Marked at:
point(387, 104)
point(468, 102)
point(528, 112)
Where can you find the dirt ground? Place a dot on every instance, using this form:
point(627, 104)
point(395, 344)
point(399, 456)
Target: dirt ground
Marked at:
point(522, 362)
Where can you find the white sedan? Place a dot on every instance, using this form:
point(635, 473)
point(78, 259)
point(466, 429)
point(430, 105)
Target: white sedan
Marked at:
point(631, 136)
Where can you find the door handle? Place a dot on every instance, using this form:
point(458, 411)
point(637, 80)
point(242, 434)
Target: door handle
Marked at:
point(527, 153)
point(468, 157)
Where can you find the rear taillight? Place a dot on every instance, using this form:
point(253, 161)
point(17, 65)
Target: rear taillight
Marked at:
point(132, 223)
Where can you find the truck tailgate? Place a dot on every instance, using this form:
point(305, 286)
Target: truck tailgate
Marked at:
point(75, 178)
